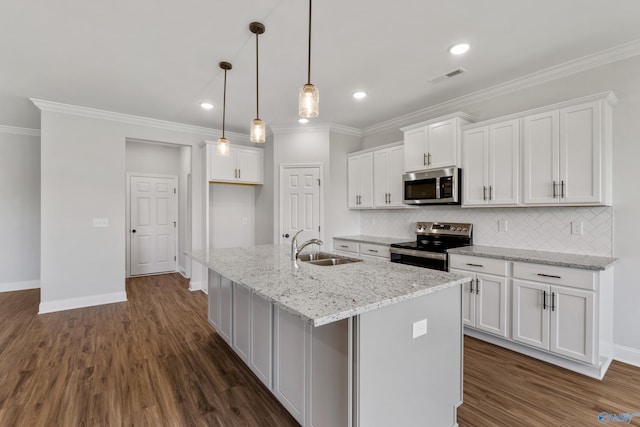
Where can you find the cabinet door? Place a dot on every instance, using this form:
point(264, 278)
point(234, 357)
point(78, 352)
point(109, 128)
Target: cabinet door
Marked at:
point(214, 299)
point(504, 163)
point(222, 168)
point(394, 178)
point(530, 317)
point(290, 371)
point(572, 323)
point(241, 322)
point(226, 309)
point(475, 148)
point(380, 178)
point(249, 164)
point(541, 164)
point(442, 139)
point(415, 150)
point(491, 304)
point(581, 154)
point(261, 339)
point(366, 180)
point(353, 182)
point(468, 299)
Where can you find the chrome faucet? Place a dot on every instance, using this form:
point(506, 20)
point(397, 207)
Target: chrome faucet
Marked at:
point(295, 250)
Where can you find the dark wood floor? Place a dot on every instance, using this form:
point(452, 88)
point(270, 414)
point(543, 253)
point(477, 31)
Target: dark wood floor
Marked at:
point(156, 361)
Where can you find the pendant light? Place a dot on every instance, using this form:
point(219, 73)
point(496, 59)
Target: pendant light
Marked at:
point(257, 125)
point(223, 143)
point(308, 98)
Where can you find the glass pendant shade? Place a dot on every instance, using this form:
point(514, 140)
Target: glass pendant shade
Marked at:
point(308, 101)
point(257, 131)
point(222, 149)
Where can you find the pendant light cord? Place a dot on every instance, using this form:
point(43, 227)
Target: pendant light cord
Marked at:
point(224, 102)
point(257, 82)
point(309, 57)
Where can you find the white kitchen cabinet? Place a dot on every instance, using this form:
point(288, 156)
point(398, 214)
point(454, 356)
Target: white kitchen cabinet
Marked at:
point(241, 322)
point(484, 299)
point(434, 144)
point(388, 167)
point(226, 310)
point(567, 155)
point(261, 356)
point(242, 165)
point(491, 164)
point(361, 249)
point(214, 299)
point(360, 180)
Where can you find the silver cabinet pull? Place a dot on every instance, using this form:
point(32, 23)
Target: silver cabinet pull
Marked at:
point(372, 250)
point(344, 246)
point(544, 300)
point(477, 286)
point(491, 192)
point(555, 193)
point(562, 189)
point(428, 159)
point(553, 301)
point(239, 170)
point(424, 159)
point(235, 173)
point(549, 275)
point(484, 192)
point(471, 287)
point(475, 265)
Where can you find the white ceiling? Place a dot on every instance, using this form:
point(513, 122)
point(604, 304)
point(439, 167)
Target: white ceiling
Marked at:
point(159, 58)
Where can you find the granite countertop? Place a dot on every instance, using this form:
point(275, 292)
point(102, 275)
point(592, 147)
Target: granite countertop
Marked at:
point(319, 294)
point(377, 240)
point(585, 262)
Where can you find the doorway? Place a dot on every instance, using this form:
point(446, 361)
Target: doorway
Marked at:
point(300, 202)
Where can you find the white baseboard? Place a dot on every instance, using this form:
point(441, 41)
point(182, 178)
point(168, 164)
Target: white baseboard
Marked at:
point(19, 286)
point(183, 272)
point(196, 286)
point(71, 303)
point(625, 354)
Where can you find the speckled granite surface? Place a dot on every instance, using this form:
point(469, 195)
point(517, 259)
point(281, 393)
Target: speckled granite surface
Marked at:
point(321, 295)
point(559, 259)
point(377, 240)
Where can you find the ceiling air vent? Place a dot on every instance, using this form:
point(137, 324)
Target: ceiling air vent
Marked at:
point(447, 76)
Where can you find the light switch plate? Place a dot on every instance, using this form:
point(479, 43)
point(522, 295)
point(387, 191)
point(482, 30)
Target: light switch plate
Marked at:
point(502, 225)
point(419, 328)
point(100, 222)
point(577, 227)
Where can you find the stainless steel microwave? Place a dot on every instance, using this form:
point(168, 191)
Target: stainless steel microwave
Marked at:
point(433, 187)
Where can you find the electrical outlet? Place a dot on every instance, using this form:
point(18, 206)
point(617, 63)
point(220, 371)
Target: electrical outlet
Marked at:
point(577, 227)
point(502, 225)
point(245, 221)
point(419, 328)
point(100, 222)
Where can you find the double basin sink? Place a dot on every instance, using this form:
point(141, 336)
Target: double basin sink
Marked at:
point(326, 259)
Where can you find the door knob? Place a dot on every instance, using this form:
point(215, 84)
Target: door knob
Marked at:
point(286, 236)
point(133, 231)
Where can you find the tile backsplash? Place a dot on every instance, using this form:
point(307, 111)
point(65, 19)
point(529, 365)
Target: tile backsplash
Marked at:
point(547, 229)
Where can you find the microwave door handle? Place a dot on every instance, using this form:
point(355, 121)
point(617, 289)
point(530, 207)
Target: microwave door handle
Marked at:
point(438, 188)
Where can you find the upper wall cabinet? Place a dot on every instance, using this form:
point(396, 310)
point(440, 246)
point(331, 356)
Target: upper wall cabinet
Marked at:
point(434, 144)
point(567, 155)
point(491, 162)
point(244, 165)
point(388, 166)
point(360, 182)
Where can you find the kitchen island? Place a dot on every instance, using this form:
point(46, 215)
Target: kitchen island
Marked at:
point(365, 344)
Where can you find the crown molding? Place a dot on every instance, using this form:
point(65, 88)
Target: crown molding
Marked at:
point(321, 127)
point(94, 113)
point(19, 131)
point(568, 68)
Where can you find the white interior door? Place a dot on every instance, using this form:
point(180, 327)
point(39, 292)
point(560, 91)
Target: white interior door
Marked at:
point(152, 224)
point(300, 195)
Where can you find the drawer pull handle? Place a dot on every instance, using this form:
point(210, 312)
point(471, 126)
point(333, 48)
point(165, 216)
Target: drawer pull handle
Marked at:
point(553, 301)
point(549, 275)
point(475, 265)
point(373, 250)
point(544, 300)
point(471, 287)
point(344, 246)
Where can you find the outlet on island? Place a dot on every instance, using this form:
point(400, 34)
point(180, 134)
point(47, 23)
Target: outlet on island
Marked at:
point(419, 328)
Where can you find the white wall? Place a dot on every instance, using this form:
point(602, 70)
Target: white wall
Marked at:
point(184, 210)
point(83, 176)
point(19, 211)
point(264, 224)
point(622, 78)
point(232, 212)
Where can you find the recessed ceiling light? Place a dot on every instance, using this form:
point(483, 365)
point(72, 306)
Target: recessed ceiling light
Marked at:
point(359, 95)
point(459, 48)
point(206, 106)
point(302, 120)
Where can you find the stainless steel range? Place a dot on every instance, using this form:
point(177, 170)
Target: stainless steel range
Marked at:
point(432, 241)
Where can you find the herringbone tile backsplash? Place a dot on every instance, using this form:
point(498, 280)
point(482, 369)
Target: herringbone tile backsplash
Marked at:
point(546, 229)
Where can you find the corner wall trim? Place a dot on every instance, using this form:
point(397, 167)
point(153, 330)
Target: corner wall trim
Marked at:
point(73, 303)
point(625, 354)
point(19, 131)
point(196, 286)
point(19, 286)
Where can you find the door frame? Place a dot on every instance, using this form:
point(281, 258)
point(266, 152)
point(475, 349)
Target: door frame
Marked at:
point(285, 166)
point(128, 218)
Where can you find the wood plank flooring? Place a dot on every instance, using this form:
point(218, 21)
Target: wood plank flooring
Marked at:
point(156, 361)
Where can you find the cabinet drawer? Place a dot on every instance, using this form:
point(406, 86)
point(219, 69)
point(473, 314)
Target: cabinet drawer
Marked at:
point(583, 279)
point(498, 267)
point(345, 246)
point(374, 250)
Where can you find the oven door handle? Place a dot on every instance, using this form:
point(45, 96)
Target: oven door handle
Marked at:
point(419, 254)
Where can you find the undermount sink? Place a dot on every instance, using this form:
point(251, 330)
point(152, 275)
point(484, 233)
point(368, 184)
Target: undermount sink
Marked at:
point(326, 259)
